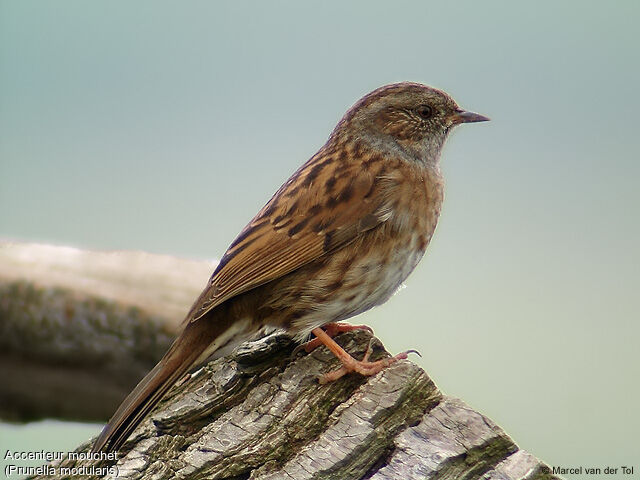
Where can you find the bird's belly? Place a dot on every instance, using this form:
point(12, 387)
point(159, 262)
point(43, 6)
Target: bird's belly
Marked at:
point(344, 287)
point(376, 282)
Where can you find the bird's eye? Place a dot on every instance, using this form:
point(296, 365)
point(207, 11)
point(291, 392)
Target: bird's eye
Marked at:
point(425, 111)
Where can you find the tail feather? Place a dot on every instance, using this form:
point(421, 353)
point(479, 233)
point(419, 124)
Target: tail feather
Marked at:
point(213, 335)
point(144, 397)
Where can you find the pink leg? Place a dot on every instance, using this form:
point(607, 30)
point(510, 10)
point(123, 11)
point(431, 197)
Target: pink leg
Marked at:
point(350, 364)
point(332, 329)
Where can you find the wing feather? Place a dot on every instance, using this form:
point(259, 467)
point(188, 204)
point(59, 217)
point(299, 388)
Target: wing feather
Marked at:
point(324, 206)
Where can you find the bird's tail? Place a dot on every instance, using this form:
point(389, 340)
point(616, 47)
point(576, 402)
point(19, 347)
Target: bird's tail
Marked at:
point(197, 341)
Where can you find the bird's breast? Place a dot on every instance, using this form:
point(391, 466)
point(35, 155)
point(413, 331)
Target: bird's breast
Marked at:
point(368, 271)
point(399, 245)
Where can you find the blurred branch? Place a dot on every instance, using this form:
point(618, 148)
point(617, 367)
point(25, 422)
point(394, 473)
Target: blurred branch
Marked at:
point(83, 327)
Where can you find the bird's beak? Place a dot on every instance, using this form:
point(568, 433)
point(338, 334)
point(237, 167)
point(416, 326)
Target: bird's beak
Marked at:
point(462, 116)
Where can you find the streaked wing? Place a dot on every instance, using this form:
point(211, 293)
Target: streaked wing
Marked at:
point(324, 206)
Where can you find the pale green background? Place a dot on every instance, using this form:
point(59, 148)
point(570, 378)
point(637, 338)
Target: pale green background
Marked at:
point(164, 126)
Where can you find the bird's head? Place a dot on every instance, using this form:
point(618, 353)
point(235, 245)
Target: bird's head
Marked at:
point(408, 116)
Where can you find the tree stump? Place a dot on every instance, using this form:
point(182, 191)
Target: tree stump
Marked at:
point(259, 413)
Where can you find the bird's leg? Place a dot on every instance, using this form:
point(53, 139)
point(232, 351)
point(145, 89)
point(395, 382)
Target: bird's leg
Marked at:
point(350, 364)
point(331, 329)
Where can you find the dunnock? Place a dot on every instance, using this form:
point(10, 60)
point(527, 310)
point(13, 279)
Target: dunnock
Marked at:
point(338, 238)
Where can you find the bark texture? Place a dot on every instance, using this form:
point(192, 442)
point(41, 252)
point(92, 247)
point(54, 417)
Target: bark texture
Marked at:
point(257, 414)
point(261, 414)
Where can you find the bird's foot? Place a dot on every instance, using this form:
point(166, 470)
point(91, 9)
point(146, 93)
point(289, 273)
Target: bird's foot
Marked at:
point(350, 364)
point(331, 329)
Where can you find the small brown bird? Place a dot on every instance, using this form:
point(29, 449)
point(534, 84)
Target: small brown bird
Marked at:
point(338, 238)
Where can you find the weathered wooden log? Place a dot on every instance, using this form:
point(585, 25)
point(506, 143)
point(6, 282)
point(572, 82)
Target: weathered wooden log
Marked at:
point(79, 329)
point(261, 414)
